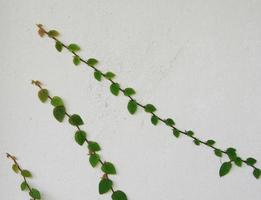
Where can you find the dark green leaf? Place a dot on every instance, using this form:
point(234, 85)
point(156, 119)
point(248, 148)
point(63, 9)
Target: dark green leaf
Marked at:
point(132, 106)
point(35, 194)
point(238, 162)
point(94, 146)
point(225, 168)
point(57, 101)
point(43, 95)
point(76, 60)
point(118, 195)
point(92, 62)
point(105, 185)
point(150, 108)
point(108, 168)
point(26, 173)
point(231, 152)
point(23, 186)
point(115, 89)
point(98, 75)
point(154, 120)
point(218, 152)
point(257, 173)
point(129, 92)
point(169, 122)
point(196, 142)
point(94, 159)
point(74, 47)
point(75, 120)
point(53, 33)
point(176, 133)
point(15, 168)
point(80, 137)
point(250, 161)
point(210, 142)
point(190, 133)
point(109, 75)
point(58, 46)
point(59, 113)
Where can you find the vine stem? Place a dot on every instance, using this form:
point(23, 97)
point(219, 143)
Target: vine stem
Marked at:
point(38, 84)
point(14, 159)
point(138, 103)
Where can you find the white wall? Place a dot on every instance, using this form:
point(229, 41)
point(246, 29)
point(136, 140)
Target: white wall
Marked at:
point(197, 61)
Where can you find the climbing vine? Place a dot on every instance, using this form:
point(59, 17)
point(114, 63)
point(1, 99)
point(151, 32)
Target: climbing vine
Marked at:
point(80, 136)
point(233, 158)
point(26, 174)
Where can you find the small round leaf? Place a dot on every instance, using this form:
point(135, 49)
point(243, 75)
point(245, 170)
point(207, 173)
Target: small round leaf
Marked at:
point(59, 113)
point(74, 47)
point(225, 168)
point(115, 89)
point(176, 133)
point(26, 173)
point(250, 161)
point(218, 152)
point(58, 46)
point(169, 122)
point(57, 101)
point(97, 75)
point(35, 194)
point(154, 120)
point(108, 168)
point(94, 159)
point(257, 173)
point(80, 137)
point(76, 60)
point(105, 185)
point(23, 186)
point(53, 33)
point(92, 62)
point(43, 95)
point(119, 195)
point(132, 106)
point(129, 92)
point(109, 75)
point(75, 120)
point(15, 168)
point(150, 108)
point(94, 146)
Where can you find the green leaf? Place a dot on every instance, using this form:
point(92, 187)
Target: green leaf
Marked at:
point(108, 168)
point(26, 173)
point(218, 152)
point(57, 101)
point(59, 113)
point(176, 133)
point(92, 62)
point(23, 186)
point(154, 120)
point(109, 75)
point(257, 173)
point(129, 92)
point(115, 89)
point(231, 152)
point(75, 120)
point(98, 75)
point(190, 133)
point(93, 146)
point(196, 142)
point(76, 60)
point(150, 108)
point(74, 47)
point(169, 122)
point(118, 195)
point(225, 168)
point(43, 95)
point(94, 159)
point(35, 194)
point(250, 161)
point(53, 33)
point(132, 106)
point(238, 162)
point(105, 185)
point(80, 137)
point(210, 142)
point(58, 46)
point(15, 168)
